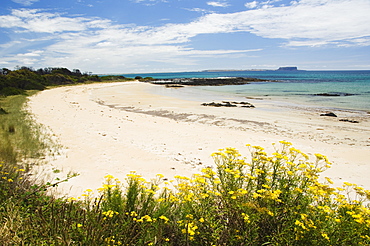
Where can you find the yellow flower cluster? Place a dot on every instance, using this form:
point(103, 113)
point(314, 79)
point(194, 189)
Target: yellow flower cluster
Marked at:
point(164, 218)
point(11, 174)
point(112, 241)
point(109, 213)
point(248, 195)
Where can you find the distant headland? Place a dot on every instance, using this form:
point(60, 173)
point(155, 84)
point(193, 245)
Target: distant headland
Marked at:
point(287, 69)
point(241, 70)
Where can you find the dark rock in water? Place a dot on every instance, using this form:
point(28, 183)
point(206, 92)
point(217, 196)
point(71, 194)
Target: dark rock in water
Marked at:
point(206, 81)
point(213, 104)
point(350, 121)
point(254, 98)
point(173, 86)
point(331, 114)
point(334, 94)
point(245, 104)
point(229, 104)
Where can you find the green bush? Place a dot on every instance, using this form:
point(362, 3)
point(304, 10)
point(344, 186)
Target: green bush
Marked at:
point(269, 200)
point(25, 78)
point(10, 91)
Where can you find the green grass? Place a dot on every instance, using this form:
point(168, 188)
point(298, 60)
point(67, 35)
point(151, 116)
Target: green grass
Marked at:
point(20, 136)
point(261, 199)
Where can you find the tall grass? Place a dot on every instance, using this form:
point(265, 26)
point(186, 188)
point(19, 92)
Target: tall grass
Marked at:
point(23, 144)
point(261, 199)
point(20, 137)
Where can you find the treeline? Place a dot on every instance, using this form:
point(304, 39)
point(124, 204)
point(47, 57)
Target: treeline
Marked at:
point(26, 78)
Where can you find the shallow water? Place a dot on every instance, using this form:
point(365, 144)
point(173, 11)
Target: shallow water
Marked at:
point(296, 87)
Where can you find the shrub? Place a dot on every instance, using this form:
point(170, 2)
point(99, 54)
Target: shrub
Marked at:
point(9, 91)
point(269, 200)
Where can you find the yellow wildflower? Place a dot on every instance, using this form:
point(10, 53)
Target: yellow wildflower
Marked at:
point(324, 235)
point(109, 177)
point(162, 217)
point(246, 218)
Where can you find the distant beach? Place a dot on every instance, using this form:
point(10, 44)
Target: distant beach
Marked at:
point(121, 127)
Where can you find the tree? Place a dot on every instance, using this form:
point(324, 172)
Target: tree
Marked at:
point(77, 72)
point(4, 71)
point(62, 70)
point(26, 80)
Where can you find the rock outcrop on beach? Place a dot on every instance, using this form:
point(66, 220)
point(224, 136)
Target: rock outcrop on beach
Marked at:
point(350, 121)
point(229, 104)
point(330, 114)
point(206, 81)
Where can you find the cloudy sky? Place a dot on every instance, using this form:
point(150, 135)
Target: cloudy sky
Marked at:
point(129, 36)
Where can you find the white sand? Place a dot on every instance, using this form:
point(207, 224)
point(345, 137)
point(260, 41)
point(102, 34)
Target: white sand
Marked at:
point(119, 127)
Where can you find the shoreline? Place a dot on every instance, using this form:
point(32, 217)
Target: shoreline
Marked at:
point(271, 101)
point(120, 127)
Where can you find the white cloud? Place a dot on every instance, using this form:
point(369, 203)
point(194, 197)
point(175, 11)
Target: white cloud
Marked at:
point(307, 23)
point(251, 5)
point(263, 5)
point(35, 21)
point(10, 44)
point(363, 41)
point(70, 40)
point(218, 4)
point(148, 2)
point(270, 2)
point(200, 10)
point(35, 53)
point(25, 2)
point(98, 42)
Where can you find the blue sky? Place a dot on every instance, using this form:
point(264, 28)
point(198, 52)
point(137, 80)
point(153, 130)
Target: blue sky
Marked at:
point(135, 36)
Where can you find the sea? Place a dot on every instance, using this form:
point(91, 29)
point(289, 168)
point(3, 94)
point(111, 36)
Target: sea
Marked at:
point(331, 90)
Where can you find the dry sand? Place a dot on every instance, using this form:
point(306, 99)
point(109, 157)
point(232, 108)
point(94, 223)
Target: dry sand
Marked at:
point(121, 127)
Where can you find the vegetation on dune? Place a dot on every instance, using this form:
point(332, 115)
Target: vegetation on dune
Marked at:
point(262, 199)
point(115, 78)
point(20, 137)
point(26, 78)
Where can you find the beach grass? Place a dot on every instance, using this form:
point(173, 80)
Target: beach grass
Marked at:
point(257, 199)
point(21, 137)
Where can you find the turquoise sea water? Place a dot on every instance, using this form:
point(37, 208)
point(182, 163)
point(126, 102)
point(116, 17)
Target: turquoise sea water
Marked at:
point(298, 87)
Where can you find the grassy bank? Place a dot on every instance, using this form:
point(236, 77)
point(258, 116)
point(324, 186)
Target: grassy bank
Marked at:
point(262, 199)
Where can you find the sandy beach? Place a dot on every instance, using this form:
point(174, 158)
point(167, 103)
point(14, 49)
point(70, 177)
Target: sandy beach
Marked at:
point(116, 128)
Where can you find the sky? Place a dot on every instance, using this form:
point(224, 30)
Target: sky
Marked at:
point(137, 36)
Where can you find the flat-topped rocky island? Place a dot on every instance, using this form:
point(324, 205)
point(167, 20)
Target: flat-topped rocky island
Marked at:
point(206, 81)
